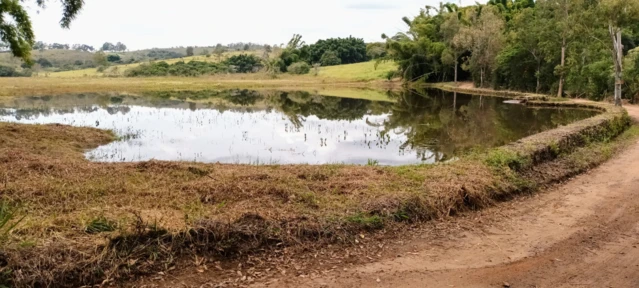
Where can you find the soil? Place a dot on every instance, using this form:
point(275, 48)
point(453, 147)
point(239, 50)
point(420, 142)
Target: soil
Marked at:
point(580, 233)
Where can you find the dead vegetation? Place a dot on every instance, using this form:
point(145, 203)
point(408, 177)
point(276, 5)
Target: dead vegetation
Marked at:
point(95, 223)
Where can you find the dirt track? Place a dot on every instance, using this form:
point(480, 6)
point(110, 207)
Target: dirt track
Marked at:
point(583, 233)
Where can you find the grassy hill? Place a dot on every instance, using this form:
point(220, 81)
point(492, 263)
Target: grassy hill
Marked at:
point(364, 71)
point(93, 72)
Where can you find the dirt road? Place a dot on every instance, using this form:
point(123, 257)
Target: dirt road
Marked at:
point(582, 233)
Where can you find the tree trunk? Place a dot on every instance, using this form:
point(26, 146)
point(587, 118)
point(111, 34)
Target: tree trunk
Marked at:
point(560, 92)
point(617, 59)
point(538, 76)
point(455, 72)
point(481, 78)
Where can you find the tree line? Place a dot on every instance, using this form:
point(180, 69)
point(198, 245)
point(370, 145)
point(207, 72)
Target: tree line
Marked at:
point(581, 48)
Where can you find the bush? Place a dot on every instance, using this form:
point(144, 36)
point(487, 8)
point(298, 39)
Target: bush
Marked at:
point(244, 63)
point(6, 71)
point(164, 54)
point(113, 58)
point(192, 68)
point(299, 68)
point(44, 63)
point(330, 58)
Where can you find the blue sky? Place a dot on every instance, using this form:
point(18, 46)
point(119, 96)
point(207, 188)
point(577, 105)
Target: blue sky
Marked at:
point(163, 23)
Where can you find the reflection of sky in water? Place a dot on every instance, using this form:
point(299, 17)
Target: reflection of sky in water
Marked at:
point(207, 135)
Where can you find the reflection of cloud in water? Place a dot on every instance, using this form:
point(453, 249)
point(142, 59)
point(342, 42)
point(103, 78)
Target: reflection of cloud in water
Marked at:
point(299, 128)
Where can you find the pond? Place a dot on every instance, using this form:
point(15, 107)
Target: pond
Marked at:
point(275, 127)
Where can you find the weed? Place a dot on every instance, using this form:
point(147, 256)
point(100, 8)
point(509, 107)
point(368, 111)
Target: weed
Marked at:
point(366, 222)
point(99, 225)
point(372, 162)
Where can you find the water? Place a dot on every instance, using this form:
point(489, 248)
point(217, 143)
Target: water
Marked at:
point(249, 127)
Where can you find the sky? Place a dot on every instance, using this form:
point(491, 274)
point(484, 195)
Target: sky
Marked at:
point(142, 24)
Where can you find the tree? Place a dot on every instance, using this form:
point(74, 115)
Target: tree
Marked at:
point(299, 68)
point(454, 41)
point(330, 58)
point(108, 46)
point(244, 63)
point(348, 50)
point(40, 46)
point(59, 46)
point(619, 14)
point(529, 32)
point(375, 50)
point(119, 47)
point(486, 40)
point(246, 47)
point(16, 29)
point(100, 59)
point(218, 51)
point(189, 51)
point(113, 58)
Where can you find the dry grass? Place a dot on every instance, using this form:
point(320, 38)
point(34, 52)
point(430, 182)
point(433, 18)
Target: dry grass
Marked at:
point(91, 222)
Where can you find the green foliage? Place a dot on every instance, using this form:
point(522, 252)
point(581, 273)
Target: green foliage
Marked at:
point(373, 222)
point(16, 29)
point(375, 50)
point(113, 58)
point(8, 220)
point(299, 68)
point(190, 69)
point(100, 59)
point(330, 58)
point(189, 51)
point(44, 63)
point(348, 50)
point(6, 71)
point(99, 225)
point(156, 54)
point(243, 63)
point(517, 44)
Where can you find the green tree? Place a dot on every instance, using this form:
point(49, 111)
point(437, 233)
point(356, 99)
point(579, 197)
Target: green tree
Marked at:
point(16, 29)
point(100, 59)
point(619, 14)
point(299, 68)
point(189, 51)
point(243, 63)
point(219, 51)
point(330, 58)
point(485, 37)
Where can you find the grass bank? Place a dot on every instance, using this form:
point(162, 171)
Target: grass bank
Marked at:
point(53, 86)
point(91, 223)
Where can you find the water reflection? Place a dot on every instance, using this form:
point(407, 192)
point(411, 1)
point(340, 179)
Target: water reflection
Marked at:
point(273, 127)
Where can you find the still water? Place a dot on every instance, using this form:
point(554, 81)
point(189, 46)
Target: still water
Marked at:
point(250, 127)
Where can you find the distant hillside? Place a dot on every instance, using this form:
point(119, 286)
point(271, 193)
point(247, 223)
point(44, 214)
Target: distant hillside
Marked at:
point(58, 60)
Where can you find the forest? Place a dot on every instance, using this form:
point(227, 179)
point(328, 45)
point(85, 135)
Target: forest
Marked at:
point(577, 48)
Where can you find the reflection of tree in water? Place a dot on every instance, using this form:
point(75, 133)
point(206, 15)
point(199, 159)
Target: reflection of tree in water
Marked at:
point(299, 105)
point(243, 97)
point(432, 125)
point(112, 110)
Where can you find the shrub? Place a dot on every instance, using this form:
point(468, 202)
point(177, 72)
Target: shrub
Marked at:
point(113, 58)
point(44, 63)
point(330, 58)
point(299, 68)
point(244, 63)
point(6, 71)
point(192, 68)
